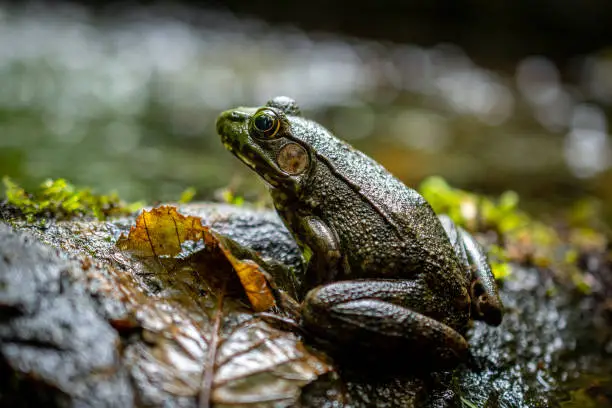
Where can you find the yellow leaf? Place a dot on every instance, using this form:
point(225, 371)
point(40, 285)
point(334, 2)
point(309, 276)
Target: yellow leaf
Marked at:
point(162, 230)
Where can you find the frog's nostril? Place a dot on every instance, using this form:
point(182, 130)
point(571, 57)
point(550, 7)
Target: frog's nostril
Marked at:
point(235, 116)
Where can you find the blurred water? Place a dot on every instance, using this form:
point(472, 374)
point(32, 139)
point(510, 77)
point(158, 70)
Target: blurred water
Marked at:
point(129, 104)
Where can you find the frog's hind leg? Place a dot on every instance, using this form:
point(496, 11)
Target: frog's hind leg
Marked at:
point(454, 235)
point(486, 303)
point(373, 318)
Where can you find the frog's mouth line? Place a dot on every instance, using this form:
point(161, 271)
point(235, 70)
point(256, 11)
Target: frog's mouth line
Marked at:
point(264, 171)
point(242, 157)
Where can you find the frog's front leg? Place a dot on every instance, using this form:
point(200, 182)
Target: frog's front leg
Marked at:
point(321, 248)
point(375, 316)
point(486, 303)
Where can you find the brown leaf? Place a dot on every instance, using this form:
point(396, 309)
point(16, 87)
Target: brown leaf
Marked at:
point(162, 230)
point(200, 343)
point(253, 281)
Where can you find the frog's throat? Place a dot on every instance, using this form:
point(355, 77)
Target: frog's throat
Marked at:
point(357, 191)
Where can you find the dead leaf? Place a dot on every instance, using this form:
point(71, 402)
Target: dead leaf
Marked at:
point(203, 343)
point(162, 230)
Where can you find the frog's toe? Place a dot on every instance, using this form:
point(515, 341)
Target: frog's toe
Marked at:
point(280, 322)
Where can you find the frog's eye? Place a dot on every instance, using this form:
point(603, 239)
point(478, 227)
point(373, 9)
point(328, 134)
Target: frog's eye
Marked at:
point(293, 159)
point(266, 123)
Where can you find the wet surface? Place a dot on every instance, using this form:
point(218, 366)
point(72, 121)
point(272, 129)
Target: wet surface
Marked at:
point(56, 347)
point(83, 323)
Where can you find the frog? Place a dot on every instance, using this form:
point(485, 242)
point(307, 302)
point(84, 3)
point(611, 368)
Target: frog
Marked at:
point(384, 273)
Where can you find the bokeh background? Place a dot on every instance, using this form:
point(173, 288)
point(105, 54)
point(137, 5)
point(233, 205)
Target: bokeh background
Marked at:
point(123, 96)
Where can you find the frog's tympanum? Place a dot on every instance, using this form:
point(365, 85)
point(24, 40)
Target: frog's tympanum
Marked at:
point(384, 273)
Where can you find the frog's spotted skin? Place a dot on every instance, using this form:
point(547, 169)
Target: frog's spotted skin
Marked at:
point(392, 272)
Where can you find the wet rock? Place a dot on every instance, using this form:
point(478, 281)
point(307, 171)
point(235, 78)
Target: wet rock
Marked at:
point(55, 348)
point(82, 323)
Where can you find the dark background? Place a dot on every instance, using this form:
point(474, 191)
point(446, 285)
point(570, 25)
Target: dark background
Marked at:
point(496, 34)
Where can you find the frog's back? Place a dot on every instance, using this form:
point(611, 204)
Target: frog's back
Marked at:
point(405, 207)
point(403, 219)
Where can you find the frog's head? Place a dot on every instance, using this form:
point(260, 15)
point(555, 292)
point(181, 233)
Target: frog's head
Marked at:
point(263, 139)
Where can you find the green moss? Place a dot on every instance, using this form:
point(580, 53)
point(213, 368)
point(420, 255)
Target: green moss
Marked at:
point(472, 211)
point(501, 270)
point(187, 195)
point(60, 199)
point(518, 237)
point(231, 198)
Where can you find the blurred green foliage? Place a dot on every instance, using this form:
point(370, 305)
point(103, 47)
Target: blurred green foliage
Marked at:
point(187, 195)
point(512, 234)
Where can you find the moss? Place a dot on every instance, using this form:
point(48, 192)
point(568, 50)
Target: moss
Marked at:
point(515, 235)
point(187, 195)
point(61, 200)
point(231, 198)
point(472, 211)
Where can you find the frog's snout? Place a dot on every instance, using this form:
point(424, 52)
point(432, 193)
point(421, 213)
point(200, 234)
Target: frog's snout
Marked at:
point(228, 120)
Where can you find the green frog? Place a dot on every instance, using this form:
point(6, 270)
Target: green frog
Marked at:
point(384, 273)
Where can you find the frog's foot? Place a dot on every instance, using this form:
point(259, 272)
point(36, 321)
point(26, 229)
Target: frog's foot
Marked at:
point(485, 307)
point(486, 303)
point(286, 304)
point(280, 322)
point(358, 315)
point(289, 310)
